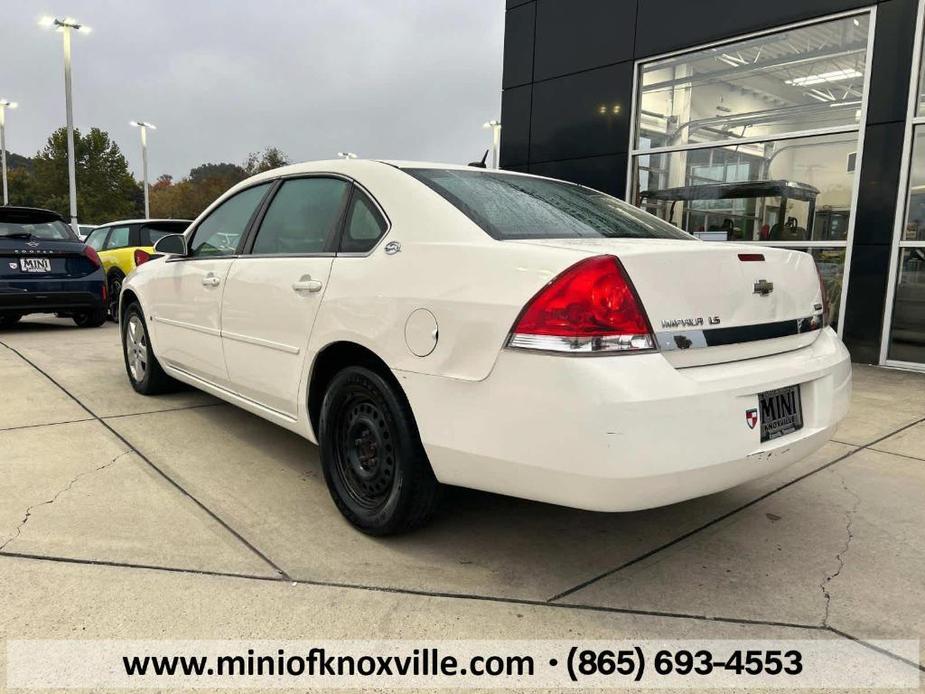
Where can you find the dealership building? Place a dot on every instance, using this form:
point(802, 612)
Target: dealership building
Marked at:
point(793, 123)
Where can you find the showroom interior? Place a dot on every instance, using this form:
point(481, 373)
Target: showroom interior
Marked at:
point(798, 123)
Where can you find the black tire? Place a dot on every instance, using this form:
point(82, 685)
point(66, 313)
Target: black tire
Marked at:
point(115, 290)
point(371, 453)
point(151, 379)
point(9, 319)
point(91, 318)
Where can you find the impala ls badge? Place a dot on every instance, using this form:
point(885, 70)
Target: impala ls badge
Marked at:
point(763, 287)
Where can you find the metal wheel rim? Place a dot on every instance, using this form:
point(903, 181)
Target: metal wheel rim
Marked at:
point(136, 349)
point(365, 457)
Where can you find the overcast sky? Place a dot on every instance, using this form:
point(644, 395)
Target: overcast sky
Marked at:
point(403, 79)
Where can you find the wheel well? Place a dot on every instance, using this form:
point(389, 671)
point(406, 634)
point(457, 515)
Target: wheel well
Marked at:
point(115, 272)
point(332, 359)
point(128, 296)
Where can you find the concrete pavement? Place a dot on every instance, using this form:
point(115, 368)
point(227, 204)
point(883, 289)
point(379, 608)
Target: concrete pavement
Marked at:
point(202, 521)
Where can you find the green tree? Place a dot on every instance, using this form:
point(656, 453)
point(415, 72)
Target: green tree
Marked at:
point(230, 172)
point(270, 158)
point(106, 190)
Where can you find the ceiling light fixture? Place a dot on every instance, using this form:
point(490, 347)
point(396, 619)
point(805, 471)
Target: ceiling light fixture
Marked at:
point(822, 77)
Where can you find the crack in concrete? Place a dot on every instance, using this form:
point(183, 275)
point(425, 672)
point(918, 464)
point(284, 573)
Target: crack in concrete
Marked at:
point(48, 502)
point(840, 556)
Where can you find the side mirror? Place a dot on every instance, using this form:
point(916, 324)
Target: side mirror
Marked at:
point(172, 244)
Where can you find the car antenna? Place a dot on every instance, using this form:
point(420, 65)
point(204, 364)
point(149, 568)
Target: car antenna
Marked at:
point(480, 164)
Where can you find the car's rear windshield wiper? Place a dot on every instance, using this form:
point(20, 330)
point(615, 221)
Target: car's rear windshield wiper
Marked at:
point(17, 235)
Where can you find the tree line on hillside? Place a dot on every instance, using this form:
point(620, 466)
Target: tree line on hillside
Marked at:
point(106, 189)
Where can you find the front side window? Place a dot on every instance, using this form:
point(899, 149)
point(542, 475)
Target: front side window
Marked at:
point(302, 217)
point(220, 232)
point(511, 207)
point(118, 238)
point(96, 239)
point(365, 225)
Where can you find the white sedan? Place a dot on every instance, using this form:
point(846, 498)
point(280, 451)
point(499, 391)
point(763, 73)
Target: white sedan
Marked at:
point(428, 324)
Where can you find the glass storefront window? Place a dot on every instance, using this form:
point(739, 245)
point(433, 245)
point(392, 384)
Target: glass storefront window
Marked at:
point(785, 190)
point(801, 79)
point(907, 329)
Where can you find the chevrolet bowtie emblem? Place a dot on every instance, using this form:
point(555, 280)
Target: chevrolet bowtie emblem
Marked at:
point(763, 287)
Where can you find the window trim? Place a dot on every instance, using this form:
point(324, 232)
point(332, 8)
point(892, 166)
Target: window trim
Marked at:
point(633, 151)
point(902, 199)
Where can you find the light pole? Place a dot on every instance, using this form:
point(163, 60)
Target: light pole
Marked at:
point(64, 27)
point(495, 127)
point(144, 158)
point(4, 105)
point(346, 155)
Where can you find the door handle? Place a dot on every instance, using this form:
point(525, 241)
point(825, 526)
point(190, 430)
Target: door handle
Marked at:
point(307, 284)
point(210, 280)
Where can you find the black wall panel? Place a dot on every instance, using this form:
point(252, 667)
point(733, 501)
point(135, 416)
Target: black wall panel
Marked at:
point(518, 46)
point(894, 40)
point(879, 183)
point(607, 173)
point(669, 25)
point(515, 125)
point(516, 3)
point(573, 35)
point(567, 122)
point(864, 307)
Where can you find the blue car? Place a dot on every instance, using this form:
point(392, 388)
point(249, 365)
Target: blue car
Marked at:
point(45, 268)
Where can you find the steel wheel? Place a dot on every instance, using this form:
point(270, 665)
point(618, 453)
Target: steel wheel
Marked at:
point(136, 349)
point(365, 455)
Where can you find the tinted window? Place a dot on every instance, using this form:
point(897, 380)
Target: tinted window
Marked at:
point(507, 206)
point(118, 238)
point(365, 225)
point(302, 216)
point(96, 238)
point(152, 233)
point(52, 231)
point(220, 232)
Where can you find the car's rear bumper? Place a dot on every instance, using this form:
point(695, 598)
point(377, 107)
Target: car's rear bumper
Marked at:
point(624, 432)
point(48, 296)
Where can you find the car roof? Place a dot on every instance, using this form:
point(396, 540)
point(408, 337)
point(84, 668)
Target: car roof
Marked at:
point(28, 215)
point(142, 221)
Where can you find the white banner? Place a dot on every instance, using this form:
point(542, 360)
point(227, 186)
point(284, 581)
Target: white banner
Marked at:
point(681, 664)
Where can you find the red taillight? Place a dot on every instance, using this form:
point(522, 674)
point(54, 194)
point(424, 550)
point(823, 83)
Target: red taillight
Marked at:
point(826, 309)
point(591, 307)
point(93, 256)
point(141, 257)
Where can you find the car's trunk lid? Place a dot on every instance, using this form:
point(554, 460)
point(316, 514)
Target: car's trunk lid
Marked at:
point(715, 302)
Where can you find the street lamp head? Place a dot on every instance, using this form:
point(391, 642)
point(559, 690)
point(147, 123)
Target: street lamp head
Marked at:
point(491, 124)
point(4, 103)
point(142, 124)
point(62, 24)
point(346, 155)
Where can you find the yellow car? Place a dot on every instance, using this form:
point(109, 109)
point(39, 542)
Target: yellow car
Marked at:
point(117, 244)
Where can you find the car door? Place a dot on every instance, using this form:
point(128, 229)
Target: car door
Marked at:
point(185, 301)
point(115, 249)
point(274, 290)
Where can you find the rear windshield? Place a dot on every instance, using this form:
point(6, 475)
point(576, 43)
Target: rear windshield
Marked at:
point(512, 207)
point(51, 231)
point(154, 232)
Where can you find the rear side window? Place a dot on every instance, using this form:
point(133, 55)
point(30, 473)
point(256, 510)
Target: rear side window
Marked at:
point(302, 217)
point(510, 207)
point(220, 232)
point(96, 238)
point(365, 225)
point(118, 238)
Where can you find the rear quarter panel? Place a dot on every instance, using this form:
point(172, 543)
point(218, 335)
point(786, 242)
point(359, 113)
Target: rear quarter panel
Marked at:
point(474, 285)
